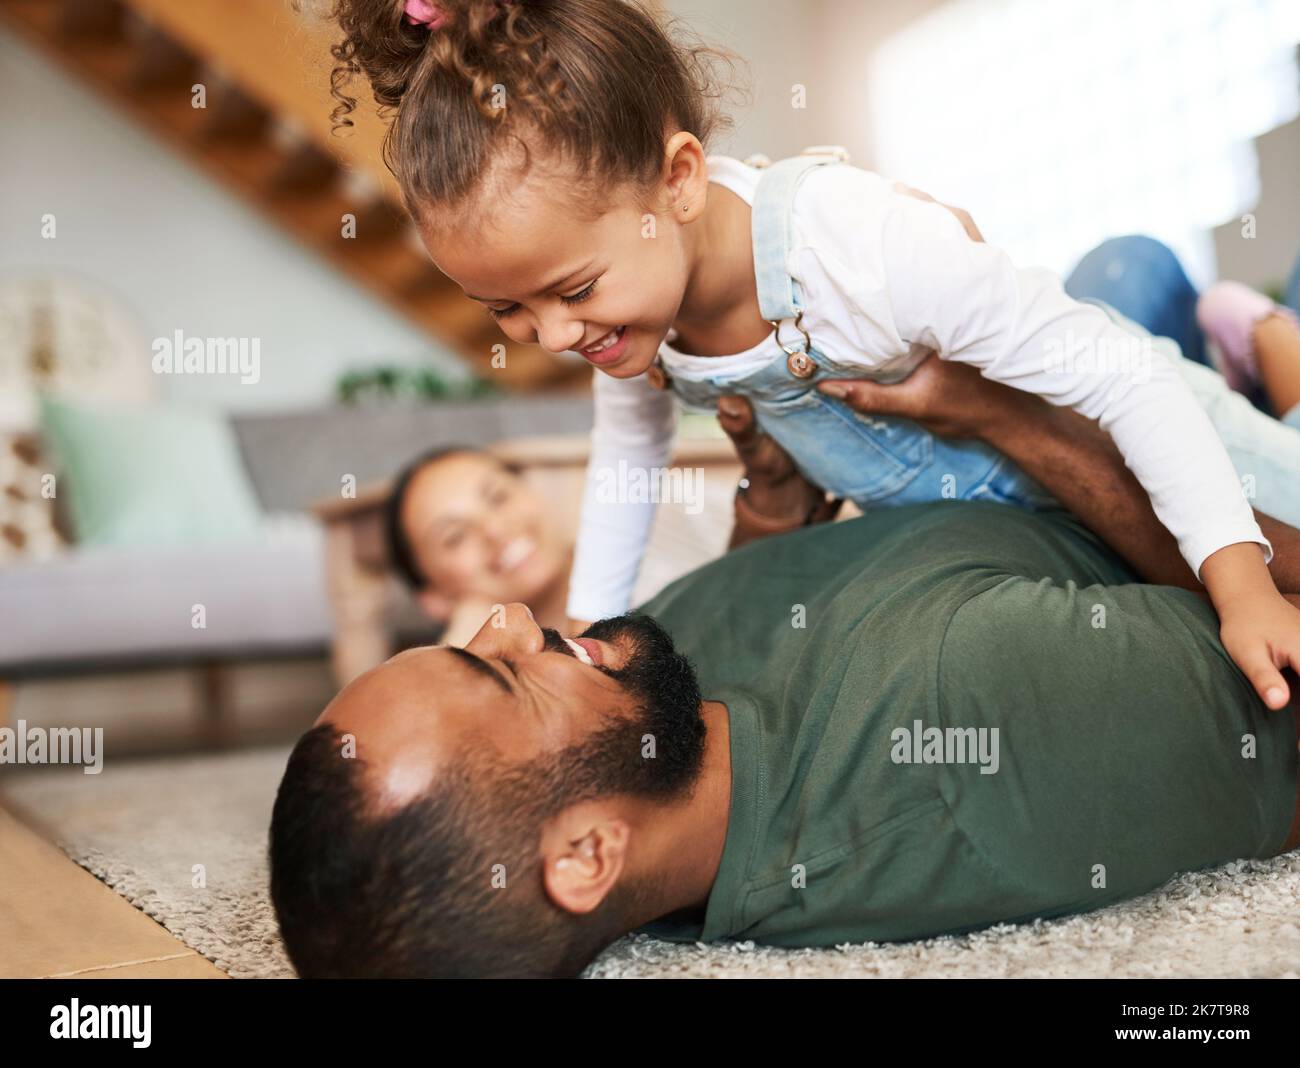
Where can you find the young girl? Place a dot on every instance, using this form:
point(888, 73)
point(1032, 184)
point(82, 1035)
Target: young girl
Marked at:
point(552, 155)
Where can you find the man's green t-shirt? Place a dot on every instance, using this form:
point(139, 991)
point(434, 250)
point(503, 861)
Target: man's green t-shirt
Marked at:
point(953, 714)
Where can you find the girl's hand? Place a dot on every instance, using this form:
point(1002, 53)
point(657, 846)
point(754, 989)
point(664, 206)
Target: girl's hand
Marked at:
point(1259, 628)
point(574, 627)
point(1262, 635)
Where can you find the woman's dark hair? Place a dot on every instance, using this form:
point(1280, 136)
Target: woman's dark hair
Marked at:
point(597, 84)
point(400, 551)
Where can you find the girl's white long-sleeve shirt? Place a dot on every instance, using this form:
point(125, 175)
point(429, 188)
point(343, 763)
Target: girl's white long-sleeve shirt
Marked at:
point(882, 275)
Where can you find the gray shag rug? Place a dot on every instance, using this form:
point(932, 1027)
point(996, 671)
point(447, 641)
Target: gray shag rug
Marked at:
point(184, 840)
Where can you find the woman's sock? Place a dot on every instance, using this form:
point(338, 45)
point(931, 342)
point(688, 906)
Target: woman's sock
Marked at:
point(1228, 313)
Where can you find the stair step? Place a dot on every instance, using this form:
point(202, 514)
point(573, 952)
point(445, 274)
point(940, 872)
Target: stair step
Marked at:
point(229, 112)
point(158, 61)
point(82, 18)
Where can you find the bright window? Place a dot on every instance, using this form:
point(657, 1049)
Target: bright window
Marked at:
point(1060, 122)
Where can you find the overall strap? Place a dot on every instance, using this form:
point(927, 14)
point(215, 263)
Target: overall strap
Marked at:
point(772, 228)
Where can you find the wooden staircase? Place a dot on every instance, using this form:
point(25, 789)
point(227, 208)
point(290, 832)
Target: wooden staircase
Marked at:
point(264, 131)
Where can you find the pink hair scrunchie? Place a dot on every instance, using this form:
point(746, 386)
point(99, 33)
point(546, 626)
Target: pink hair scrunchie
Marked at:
point(424, 13)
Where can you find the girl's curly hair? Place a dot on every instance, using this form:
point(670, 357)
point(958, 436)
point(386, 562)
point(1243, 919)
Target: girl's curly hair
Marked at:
point(596, 84)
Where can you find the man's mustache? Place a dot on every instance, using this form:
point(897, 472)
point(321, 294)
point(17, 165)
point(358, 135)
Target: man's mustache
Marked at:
point(553, 642)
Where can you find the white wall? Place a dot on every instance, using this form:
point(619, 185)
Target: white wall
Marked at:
point(775, 39)
point(1266, 260)
point(134, 215)
point(824, 46)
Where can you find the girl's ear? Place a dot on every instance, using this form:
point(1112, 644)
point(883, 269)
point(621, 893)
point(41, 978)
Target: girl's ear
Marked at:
point(437, 606)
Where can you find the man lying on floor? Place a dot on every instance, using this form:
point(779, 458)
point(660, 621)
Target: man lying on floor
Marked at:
point(921, 721)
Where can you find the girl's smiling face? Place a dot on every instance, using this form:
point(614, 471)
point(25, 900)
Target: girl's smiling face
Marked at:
point(551, 277)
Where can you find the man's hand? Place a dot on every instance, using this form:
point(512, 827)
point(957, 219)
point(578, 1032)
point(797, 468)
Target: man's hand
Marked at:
point(950, 399)
point(776, 489)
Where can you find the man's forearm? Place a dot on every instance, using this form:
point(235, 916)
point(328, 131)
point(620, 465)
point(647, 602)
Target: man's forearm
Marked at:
point(751, 523)
point(1078, 463)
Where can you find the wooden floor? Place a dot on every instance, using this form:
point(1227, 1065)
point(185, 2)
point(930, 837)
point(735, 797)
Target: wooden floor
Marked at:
point(59, 921)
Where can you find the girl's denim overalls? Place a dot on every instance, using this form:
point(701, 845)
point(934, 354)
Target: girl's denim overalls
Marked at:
point(868, 459)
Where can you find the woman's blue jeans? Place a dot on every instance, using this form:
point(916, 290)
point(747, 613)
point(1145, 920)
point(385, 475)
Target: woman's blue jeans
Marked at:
point(1142, 279)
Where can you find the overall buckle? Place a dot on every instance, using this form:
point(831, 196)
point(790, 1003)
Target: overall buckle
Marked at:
point(797, 361)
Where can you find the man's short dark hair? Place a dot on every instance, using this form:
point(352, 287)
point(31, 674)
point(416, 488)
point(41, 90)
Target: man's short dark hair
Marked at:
point(400, 551)
point(452, 883)
point(417, 892)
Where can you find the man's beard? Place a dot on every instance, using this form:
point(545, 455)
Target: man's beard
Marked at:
point(656, 752)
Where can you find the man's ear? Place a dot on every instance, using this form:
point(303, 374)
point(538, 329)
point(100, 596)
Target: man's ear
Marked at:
point(584, 852)
point(437, 606)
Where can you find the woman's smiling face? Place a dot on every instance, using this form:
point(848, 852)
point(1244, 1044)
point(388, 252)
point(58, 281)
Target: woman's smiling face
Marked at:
point(551, 277)
point(477, 529)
